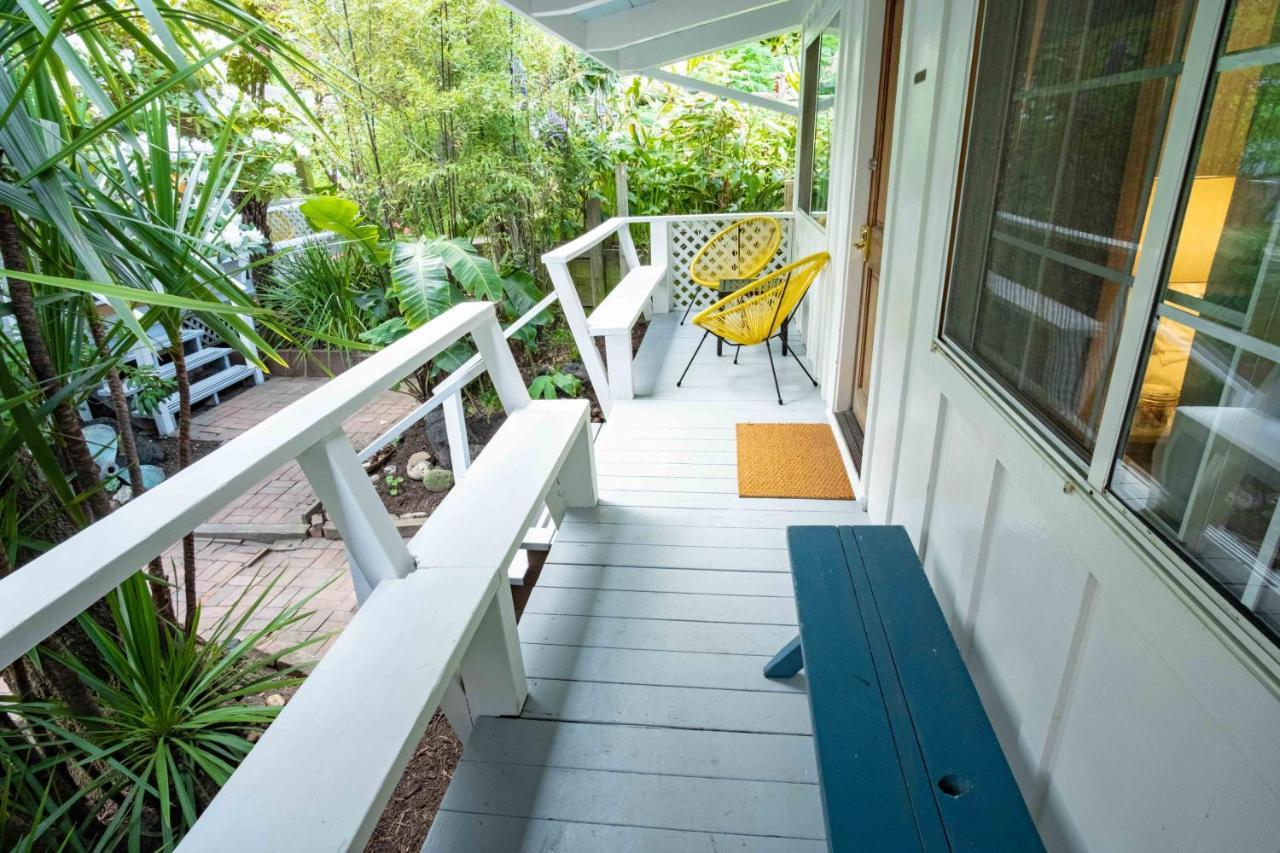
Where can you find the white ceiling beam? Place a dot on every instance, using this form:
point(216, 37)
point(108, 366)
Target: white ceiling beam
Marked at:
point(708, 38)
point(563, 26)
point(661, 18)
point(696, 85)
point(553, 8)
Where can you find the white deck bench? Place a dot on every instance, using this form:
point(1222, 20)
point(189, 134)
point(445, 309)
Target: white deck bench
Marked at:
point(444, 636)
point(645, 288)
point(542, 454)
point(615, 317)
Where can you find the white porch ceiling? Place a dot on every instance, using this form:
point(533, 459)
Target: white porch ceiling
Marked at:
point(635, 35)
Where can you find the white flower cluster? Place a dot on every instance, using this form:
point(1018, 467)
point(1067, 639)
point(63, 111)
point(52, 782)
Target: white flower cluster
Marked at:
point(267, 137)
point(227, 98)
point(237, 236)
point(189, 146)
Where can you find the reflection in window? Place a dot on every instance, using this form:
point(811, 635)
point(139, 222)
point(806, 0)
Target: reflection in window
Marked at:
point(1068, 118)
point(1202, 458)
point(822, 64)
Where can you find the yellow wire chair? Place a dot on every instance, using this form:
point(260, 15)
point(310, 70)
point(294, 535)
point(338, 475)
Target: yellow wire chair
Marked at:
point(756, 313)
point(740, 251)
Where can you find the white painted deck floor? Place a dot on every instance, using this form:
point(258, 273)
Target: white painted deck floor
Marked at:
point(649, 726)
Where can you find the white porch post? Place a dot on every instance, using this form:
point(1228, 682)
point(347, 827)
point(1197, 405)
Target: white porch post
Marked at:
point(617, 350)
point(375, 550)
point(577, 320)
point(660, 256)
point(628, 246)
point(576, 484)
point(455, 424)
point(501, 365)
point(492, 669)
point(622, 208)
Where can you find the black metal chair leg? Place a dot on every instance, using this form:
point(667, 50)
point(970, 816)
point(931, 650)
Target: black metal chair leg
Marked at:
point(702, 341)
point(805, 369)
point(773, 370)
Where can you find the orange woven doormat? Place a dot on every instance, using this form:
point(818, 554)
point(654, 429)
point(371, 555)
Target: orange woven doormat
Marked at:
point(790, 461)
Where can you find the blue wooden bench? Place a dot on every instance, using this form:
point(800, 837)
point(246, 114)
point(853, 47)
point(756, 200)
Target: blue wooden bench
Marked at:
point(907, 759)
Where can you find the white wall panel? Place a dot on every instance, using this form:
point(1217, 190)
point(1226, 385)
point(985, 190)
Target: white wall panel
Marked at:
point(1028, 598)
point(1137, 750)
point(962, 480)
point(1133, 718)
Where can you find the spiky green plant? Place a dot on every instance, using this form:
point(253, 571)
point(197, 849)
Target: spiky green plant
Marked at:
point(179, 713)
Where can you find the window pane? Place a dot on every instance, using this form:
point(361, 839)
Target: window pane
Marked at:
point(822, 61)
point(1068, 118)
point(1202, 459)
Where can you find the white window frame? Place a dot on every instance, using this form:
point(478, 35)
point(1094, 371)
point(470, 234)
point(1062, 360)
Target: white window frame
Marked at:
point(808, 100)
point(1175, 165)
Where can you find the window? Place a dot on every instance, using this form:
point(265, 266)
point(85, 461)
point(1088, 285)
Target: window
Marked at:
point(1070, 104)
point(1201, 461)
point(821, 74)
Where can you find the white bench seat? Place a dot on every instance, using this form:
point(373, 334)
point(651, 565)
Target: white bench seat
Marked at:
point(617, 313)
point(614, 318)
point(444, 636)
point(542, 454)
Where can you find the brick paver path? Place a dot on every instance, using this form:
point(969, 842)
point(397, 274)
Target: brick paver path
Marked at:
point(299, 568)
point(286, 495)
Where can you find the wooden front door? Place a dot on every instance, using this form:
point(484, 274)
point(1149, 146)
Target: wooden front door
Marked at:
point(871, 238)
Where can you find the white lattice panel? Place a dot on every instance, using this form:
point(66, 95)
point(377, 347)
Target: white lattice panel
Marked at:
point(687, 236)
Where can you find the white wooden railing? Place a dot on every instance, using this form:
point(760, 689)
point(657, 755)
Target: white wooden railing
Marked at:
point(448, 395)
point(641, 289)
point(436, 626)
point(656, 287)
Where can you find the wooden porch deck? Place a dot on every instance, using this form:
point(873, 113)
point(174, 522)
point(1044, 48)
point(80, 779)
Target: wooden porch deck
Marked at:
point(649, 725)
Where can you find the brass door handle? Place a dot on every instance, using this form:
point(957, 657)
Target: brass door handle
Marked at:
point(863, 244)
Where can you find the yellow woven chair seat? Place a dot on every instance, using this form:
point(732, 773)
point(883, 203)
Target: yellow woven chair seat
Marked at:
point(755, 313)
point(740, 251)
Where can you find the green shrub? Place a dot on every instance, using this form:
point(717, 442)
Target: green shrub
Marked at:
point(179, 713)
point(327, 297)
point(545, 387)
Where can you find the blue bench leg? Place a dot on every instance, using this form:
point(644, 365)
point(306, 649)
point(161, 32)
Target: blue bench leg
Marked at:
point(787, 662)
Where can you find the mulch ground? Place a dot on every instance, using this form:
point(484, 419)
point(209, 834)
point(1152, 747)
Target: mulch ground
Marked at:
point(199, 449)
point(411, 496)
point(404, 824)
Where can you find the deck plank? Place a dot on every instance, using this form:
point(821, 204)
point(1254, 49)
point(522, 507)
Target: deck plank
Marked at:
point(639, 497)
point(675, 707)
point(667, 606)
point(711, 521)
point(523, 835)
point(649, 579)
point(689, 536)
point(725, 638)
point(649, 724)
point(655, 669)
point(672, 556)
point(638, 799)
point(645, 749)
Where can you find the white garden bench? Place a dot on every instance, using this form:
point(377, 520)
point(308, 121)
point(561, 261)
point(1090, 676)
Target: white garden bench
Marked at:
point(645, 289)
point(615, 317)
